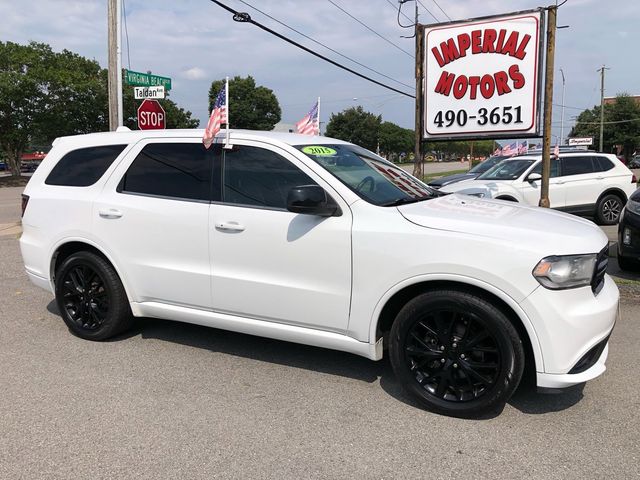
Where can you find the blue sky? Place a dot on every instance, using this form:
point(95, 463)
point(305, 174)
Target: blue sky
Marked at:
point(195, 42)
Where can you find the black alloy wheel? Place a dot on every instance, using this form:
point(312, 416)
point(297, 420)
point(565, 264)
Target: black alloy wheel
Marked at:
point(91, 298)
point(456, 353)
point(85, 297)
point(609, 209)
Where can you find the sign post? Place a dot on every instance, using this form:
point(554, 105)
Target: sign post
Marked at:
point(151, 115)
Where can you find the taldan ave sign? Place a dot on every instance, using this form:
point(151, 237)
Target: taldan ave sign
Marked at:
point(482, 77)
point(140, 93)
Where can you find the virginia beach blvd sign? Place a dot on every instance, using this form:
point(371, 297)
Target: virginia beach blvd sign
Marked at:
point(146, 79)
point(483, 77)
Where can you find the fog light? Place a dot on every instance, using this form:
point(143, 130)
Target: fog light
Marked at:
point(626, 236)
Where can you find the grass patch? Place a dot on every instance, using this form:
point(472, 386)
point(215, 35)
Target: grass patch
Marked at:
point(626, 281)
point(10, 181)
point(432, 176)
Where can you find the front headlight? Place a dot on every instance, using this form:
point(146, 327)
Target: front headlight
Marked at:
point(566, 271)
point(633, 207)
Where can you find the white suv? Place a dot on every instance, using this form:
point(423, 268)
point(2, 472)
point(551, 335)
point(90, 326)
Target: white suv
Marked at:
point(581, 182)
point(318, 241)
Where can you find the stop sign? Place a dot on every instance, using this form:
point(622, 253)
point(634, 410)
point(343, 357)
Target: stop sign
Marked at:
point(151, 115)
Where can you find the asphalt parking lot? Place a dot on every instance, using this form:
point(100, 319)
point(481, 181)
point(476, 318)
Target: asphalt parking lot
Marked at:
point(171, 400)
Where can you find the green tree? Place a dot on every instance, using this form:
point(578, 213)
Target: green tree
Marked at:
point(621, 125)
point(356, 126)
point(250, 107)
point(395, 140)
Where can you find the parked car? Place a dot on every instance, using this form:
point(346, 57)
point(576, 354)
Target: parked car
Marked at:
point(3, 166)
point(635, 162)
point(472, 173)
point(294, 237)
point(582, 183)
point(629, 235)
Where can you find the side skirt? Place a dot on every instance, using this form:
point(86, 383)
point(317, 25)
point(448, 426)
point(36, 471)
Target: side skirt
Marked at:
point(260, 328)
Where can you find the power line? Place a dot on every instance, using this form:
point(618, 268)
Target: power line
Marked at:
point(445, 13)
point(428, 11)
point(397, 8)
point(325, 46)
point(126, 33)
point(246, 18)
point(369, 28)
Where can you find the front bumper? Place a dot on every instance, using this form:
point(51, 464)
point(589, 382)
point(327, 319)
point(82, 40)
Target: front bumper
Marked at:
point(572, 327)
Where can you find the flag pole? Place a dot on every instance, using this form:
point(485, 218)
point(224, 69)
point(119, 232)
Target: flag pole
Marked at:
point(226, 105)
point(319, 131)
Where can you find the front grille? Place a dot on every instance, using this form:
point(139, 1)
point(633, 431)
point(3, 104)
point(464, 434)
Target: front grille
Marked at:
point(602, 261)
point(590, 358)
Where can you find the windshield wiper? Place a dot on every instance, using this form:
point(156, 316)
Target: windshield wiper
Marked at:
point(404, 201)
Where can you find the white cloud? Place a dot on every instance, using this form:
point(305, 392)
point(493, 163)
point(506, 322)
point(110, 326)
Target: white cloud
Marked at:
point(194, 73)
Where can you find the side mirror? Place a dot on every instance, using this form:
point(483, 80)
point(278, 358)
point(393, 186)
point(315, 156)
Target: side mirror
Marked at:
point(533, 177)
point(312, 200)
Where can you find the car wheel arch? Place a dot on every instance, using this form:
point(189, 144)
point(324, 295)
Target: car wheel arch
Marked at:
point(613, 191)
point(507, 198)
point(69, 246)
point(388, 308)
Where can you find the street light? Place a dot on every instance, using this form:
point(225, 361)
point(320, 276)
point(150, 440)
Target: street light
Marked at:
point(562, 115)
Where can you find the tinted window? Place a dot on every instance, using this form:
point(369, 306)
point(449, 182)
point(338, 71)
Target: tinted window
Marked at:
point(555, 168)
point(179, 170)
point(487, 164)
point(83, 167)
point(602, 164)
point(259, 177)
point(576, 165)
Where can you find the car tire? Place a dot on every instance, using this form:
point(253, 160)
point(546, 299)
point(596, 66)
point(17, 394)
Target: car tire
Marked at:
point(91, 298)
point(456, 353)
point(628, 264)
point(608, 209)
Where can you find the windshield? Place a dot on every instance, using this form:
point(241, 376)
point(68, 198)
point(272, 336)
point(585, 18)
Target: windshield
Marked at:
point(507, 170)
point(487, 164)
point(371, 177)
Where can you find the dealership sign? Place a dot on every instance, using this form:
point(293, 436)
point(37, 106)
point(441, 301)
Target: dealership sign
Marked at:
point(482, 77)
point(580, 141)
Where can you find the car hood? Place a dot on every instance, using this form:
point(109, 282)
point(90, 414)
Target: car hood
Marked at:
point(442, 181)
point(549, 231)
point(474, 185)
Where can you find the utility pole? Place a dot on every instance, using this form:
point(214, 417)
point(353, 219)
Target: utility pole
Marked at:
point(114, 64)
point(418, 165)
point(562, 116)
point(548, 105)
point(601, 70)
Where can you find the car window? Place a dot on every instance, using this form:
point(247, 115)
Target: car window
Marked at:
point(507, 170)
point(372, 178)
point(176, 170)
point(487, 164)
point(576, 165)
point(555, 168)
point(259, 177)
point(602, 164)
point(83, 167)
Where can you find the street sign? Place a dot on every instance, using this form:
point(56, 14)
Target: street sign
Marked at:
point(578, 141)
point(482, 77)
point(151, 115)
point(141, 93)
point(146, 79)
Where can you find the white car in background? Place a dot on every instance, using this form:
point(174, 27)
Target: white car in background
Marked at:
point(582, 183)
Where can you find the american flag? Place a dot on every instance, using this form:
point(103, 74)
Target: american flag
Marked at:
point(217, 118)
point(556, 151)
point(523, 147)
point(511, 149)
point(309, 124)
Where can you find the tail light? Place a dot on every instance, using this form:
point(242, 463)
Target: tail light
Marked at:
point(634, 179)
point(25, 201)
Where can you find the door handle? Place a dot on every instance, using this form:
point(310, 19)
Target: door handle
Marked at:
point(229, 226)
point(110, 213)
